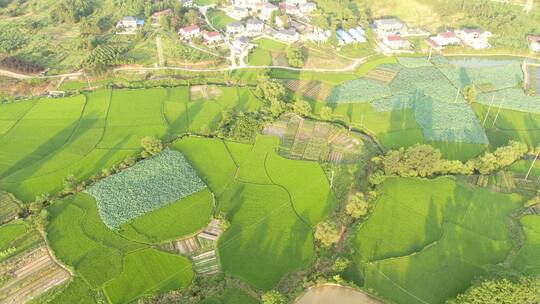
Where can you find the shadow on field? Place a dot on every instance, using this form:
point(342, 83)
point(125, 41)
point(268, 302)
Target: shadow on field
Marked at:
point(41, 151)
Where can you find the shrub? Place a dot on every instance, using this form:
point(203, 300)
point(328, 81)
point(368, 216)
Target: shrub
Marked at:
point(327, 233)
point(151, 146)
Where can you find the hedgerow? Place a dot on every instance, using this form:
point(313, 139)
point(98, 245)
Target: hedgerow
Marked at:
point(359, 90)
point(149, 185)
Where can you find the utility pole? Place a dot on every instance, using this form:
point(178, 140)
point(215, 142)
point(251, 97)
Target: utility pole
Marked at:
point(430, 52)
point(457, 95)
point(489, 109)
point(498, 112)
point(532, 165)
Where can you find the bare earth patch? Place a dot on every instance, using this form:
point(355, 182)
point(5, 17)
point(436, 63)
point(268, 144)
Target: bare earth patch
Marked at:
point(331, 294)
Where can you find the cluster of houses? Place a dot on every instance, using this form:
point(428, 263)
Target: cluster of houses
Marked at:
point(264, 10)
point(471, 37)
point(391, 32)
point(292, 22)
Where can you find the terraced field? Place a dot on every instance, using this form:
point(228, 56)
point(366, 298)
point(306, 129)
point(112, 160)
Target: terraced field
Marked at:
point(27, 268)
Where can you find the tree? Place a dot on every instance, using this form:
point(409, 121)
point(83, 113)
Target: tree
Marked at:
point(325, 113)
point(269, 89)
point(151, 146)
point(302, 108)
point(327, 233)
point(502, 291)
point(341, 264)
point(418, 160)
point(357, 207)
point(240, 126)
point(295, 56)
point(70, 183)
point(470, 93)
point(273, 297)
point(191, 17)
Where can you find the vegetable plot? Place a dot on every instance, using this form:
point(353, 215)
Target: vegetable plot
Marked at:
point(147, 186)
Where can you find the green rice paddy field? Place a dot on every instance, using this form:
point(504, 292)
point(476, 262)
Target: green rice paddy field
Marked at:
point(49, 139)
point(427, 240)
point(271, 202)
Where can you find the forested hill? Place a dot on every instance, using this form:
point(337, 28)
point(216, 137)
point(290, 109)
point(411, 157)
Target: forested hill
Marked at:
point(509, 21)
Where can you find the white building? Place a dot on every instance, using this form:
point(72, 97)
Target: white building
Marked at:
point(189, 32)
point(345, 37)
point(395, 42)
point(235, 28)
point(288, 36)
point(252, 4)
point(392, 26)
point(318, 35)
point(187, 3)
point(239, 12)
point(212, 37)
point(443, 39)
point(254, 27)
point(129, 25)
point(475, 38)
point(266, 10)
point(240, 45)
point(357, 35)
point(295, 2)
point(308, 7)
point(534, 43)
point(292, 10)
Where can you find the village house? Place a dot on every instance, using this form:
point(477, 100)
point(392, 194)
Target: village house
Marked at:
point(395, 42)
point(280, 23)
point(289, 36)
point(187, 3)
point(300, 27)
point(292, 10)
point(129, 25)
point(157, 15)
point(189, 32)
point(266, 10)
point(475, 38)
point(212, 38)
point(239, 12)
point(235, 28)
point(308, 8)
point(240, 45)
point(359, 34)
point(252, 4)
point(391, 26)
point(254, 27)
point(295, 2)
point(534, 43)
point(319, 35)
point(443, 39)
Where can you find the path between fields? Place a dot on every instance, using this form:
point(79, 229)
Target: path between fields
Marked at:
point(352, 67)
